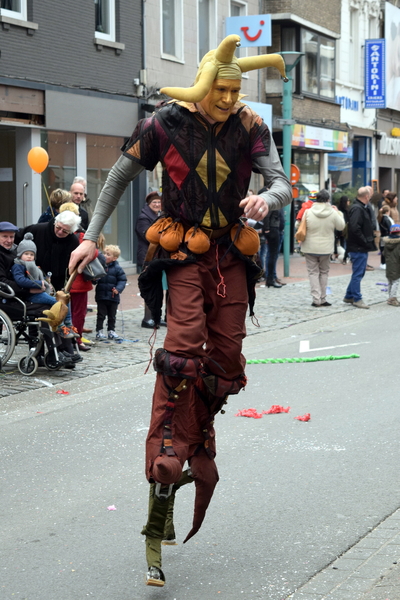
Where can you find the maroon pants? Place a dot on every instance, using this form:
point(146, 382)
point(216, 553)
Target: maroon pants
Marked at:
point(79, 301)
point(201, 322)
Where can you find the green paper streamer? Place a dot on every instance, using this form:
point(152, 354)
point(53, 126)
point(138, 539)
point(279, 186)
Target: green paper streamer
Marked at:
point(273, 361)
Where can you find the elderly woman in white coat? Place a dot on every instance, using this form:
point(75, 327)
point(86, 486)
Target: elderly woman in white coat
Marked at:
point(322, 220)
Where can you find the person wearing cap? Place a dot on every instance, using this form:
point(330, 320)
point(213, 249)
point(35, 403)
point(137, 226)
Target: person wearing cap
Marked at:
point(208, 143)
point(360, 241)
point(149, 213)
point(391, 250)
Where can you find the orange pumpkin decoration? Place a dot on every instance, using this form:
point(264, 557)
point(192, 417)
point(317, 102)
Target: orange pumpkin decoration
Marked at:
point(197, 241)
point(153, 232)
point(247, 240)
point(172, 237)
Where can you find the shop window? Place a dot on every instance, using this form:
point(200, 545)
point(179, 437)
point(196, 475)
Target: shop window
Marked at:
point(61, 148)
point(105, 19)
point(15, 9)
point(309, 165)
point(206, 26)
point(318, 68)
point(101, 154)
point(172, 29)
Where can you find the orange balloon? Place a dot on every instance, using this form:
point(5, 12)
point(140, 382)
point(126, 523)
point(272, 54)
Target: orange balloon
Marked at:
point(38, 159)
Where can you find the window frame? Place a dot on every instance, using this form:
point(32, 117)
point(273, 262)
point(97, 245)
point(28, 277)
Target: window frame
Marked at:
point(21, 15)
point(111, 36)
point(178, 32)
point(318, 74)
point(212, 29)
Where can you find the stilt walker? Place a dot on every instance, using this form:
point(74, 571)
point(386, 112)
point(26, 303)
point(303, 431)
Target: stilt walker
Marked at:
point(208, 143)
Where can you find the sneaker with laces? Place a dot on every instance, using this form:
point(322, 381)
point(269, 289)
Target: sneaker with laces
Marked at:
point(66, 332)
point(113, 336)
point(100, 335)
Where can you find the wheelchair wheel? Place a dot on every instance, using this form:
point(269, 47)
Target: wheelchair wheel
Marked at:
point(7, 338)
point(51, 363)
point(27, 365)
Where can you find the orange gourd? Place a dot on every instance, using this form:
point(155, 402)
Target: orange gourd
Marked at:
point(197, 241)
point(248, 241)
point(154, 231)
point(172, 237)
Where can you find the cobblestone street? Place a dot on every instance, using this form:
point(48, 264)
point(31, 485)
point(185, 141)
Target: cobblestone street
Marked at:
point(275, 309)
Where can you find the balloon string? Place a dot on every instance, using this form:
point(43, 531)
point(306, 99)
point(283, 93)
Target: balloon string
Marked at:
point(47, 194)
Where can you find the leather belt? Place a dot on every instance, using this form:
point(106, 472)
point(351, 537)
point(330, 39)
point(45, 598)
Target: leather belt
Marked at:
point(214, 234)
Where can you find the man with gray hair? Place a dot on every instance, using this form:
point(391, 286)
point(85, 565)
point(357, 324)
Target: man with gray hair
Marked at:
point(360, 241)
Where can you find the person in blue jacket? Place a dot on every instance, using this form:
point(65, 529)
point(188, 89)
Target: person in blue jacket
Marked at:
point(108, 292)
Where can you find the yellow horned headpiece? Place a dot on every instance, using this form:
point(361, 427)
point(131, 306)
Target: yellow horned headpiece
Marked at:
point(223, 64)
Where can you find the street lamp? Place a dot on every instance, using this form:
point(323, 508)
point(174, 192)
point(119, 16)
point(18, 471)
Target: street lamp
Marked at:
point(291, 59)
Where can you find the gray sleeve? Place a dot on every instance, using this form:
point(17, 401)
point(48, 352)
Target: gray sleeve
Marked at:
point(123, 172)
point(279, 192)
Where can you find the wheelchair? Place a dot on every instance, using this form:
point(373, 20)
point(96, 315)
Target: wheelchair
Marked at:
point(25, 342)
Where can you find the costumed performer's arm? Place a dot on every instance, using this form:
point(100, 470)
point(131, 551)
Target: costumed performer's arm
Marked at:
point(279, 192)
point(123, 172)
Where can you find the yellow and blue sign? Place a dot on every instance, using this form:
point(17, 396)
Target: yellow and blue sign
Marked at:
point(254, 30)
point(375, 74)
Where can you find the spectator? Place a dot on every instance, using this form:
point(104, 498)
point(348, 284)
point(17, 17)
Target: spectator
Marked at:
point(78, 195)
point(28, 275)
point(322, 221)
point(306, 205)
point(147, 216)
point(385, 223)
point(391, 201)
point(55, 241)
point(344, 206)
point(57, 197)
point(86, 202)
point(108, 291)
point(360, 240)
point(392, 256)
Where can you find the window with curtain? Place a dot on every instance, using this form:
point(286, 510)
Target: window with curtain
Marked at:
point(318, 68)
point(172, 29)
point(105, 19)
point(14, 8)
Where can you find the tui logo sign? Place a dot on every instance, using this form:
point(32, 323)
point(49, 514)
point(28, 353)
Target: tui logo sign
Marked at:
point(254, 30)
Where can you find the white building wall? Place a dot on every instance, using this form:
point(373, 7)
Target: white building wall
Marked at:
point(350, 61)
point(166, 72)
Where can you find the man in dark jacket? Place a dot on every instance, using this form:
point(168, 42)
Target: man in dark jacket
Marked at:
point(360, 241)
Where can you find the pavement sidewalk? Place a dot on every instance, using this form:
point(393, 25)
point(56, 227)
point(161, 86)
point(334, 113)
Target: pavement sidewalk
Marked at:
point(369, 569)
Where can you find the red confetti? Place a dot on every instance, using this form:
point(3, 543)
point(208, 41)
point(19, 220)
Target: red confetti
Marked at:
point(63, 392)
point(249, 412)
point(275, 409)
point(305, 417)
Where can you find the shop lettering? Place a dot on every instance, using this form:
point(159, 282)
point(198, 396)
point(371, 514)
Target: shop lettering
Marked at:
point(347, 103)
point(389, 145)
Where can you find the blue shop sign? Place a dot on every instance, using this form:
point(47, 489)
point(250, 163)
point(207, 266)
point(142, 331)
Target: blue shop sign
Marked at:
point(375, 74)
point(254, 30)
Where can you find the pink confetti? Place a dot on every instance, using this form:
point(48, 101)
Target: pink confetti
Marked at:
point(63, 392)
point(249, 412)
point(275, 409)
point(305, 417)
point(112, 507)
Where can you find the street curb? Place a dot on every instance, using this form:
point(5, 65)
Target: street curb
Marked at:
point(360, 568)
